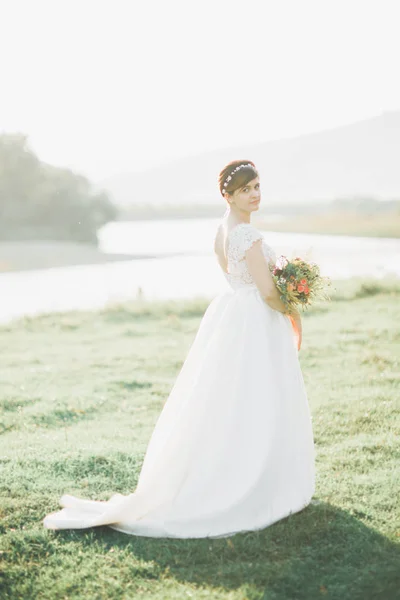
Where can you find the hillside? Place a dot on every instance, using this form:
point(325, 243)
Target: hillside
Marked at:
point(360, 159)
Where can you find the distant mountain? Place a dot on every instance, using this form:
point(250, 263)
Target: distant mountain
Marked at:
point(361, 159)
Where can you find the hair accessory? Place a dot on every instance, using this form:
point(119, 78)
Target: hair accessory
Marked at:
point(228, 179)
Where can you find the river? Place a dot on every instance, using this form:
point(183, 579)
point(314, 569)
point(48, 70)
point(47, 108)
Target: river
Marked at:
point(182, 265)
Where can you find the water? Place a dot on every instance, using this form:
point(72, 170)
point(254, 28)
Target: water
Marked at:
point(182, 265)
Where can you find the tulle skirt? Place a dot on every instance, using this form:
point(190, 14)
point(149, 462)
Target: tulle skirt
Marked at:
point(232, 449)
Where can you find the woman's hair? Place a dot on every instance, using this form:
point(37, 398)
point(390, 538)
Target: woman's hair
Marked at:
point(239, 178)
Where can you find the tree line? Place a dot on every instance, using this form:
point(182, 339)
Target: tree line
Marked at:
point(41, 201)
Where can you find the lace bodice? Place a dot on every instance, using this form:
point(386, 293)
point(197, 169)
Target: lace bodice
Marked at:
point(240, 239)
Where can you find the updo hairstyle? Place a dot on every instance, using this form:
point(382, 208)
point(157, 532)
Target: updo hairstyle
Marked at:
point(239, 178)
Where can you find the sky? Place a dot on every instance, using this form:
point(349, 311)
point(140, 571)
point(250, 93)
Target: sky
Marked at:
point(112, 86)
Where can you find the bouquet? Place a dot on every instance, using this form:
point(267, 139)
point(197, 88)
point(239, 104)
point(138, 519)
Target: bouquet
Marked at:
point(299, 282)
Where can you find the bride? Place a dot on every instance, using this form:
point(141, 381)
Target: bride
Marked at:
point(232, 449)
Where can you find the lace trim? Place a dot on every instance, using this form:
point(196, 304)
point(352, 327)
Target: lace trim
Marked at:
point(243, 236)
point(240, 239)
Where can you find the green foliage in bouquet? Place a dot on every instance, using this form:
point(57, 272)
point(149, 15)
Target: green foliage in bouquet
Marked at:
point(299, 282)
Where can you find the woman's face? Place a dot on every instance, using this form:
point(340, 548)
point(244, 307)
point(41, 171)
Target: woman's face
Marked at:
point(247, 198)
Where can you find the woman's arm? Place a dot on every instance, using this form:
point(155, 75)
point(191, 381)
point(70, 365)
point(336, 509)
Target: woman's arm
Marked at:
point(259, 270)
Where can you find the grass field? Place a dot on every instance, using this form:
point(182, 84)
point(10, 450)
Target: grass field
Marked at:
point(80, 394)
point(385, 225)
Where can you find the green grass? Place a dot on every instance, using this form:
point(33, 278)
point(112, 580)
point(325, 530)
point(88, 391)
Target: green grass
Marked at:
point(80, 394)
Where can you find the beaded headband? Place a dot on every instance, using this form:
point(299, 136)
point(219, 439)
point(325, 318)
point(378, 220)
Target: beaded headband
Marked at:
point(228, 179)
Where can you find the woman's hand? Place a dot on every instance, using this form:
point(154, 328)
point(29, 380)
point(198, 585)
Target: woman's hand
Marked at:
point(261, 274)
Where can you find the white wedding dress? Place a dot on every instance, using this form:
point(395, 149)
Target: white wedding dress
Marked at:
point(232, 449)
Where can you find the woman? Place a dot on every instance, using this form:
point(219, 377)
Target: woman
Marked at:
point(232, 449)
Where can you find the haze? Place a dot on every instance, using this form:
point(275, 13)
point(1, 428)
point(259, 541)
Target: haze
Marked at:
point(110, 87)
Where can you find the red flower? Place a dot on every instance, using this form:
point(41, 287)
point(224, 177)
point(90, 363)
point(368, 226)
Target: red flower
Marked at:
point(303, 281)
point(306, 290)
point(300, 288)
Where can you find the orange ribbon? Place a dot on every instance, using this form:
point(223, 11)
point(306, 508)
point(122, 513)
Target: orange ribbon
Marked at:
point(296, 331)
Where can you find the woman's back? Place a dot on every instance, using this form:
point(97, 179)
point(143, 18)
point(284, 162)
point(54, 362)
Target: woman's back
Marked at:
point(231, 245)
point(221, 245)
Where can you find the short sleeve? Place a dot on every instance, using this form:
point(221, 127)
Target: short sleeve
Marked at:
point(245, 235)
point(248, 236)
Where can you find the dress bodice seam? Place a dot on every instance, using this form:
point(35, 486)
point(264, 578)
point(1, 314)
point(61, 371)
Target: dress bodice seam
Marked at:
point(227, 238)
point(229, 245)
